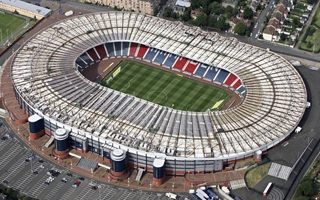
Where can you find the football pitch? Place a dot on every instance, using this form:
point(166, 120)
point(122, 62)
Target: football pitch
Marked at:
point(165, 88)
point(12, 25)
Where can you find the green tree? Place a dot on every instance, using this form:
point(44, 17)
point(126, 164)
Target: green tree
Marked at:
point(306, 187)
point(216, 8)
point(222, 24)
point(201, 20)
point(230, 12)
point(212, 21)
point(296, 21)
point(241, 28)
point(186, 16)
point(167, 12)
point(247, 13)
point(282, 37)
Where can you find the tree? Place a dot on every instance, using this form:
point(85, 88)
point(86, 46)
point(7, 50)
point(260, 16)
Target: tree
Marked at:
point(296, 21)
point(201, 20)
point(216, 8)
point(168, 12)
point(282, 37)
point(222, 24)
point(212, 21)
point(230, 12)
point(186, 16)
point(241, 28)
point(306, 187)
point(247, 13)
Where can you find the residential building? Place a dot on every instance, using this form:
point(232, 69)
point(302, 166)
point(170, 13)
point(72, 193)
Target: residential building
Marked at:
point(181, 5)
point(142, 6)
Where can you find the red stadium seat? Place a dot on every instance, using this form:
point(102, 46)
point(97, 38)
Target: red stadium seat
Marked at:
point(237, 84)
point(133, 48)
point(142, 51)
point(180, 63)
point(191, 67)
point(101, 51)
point(231, 78)
point(93, 54)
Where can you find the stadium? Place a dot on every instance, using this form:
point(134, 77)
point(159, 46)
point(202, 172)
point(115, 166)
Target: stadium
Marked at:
point(157, 89)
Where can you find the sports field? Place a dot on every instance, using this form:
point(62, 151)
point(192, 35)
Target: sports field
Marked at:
point(12, 25)
point(165, 88)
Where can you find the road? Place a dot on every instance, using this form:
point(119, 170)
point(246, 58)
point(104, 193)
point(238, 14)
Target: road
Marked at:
point(258, 28)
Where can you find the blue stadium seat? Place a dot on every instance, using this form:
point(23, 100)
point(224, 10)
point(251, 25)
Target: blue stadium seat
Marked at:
point(170, 60)
point(241, 90)
point(211, 73)
point(110, 49)
point(86, 58)
point(117, 45)
point(150, 54)
point(125, 48)
point(81, 63)
point(201, 70)
point(222, 76)
point(160, 57)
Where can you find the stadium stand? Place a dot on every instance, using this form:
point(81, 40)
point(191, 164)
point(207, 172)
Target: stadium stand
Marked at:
point(170, 60)
point(191, 67)
point(110, 49)
point(230, 79)
point(221, 76)
point(142, 51)
point(125, 48)
point(189, 141)
point(133, 48)
point(161, 56)
point(180, 63)
point(150, 54)
point(93, 54)
point(101, 51)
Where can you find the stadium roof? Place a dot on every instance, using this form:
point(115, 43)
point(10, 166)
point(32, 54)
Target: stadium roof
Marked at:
point(27, 6)
point(45, 75)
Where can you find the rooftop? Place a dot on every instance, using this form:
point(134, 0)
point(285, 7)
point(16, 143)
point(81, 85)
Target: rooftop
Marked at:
point(27, 6)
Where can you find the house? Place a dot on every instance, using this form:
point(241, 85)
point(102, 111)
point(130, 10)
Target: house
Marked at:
point(181, 5)
point(270, 33)
point(254, 5)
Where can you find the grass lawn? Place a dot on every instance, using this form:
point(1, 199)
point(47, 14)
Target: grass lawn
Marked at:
point(311, 41)
point(165, 88)
point(12, 25)
point(256, 174)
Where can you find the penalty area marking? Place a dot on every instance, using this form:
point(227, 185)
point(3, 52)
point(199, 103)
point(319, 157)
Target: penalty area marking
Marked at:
point(217, 104)
point(107, 67)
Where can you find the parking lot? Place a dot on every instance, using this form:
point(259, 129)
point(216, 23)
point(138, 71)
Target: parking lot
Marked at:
point(22, 170)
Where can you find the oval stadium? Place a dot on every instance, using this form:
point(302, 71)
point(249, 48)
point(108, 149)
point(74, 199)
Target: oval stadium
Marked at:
point(157, 89)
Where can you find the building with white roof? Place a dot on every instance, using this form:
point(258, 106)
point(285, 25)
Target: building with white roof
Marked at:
point(24, 8)
point(181, 5)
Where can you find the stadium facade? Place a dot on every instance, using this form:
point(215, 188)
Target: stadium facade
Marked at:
point(46, 76)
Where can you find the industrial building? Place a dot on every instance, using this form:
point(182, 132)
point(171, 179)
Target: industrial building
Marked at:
point(24, 8)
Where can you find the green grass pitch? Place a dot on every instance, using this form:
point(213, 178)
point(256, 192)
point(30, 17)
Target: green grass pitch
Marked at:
point(10, 25)
point(164, 88)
